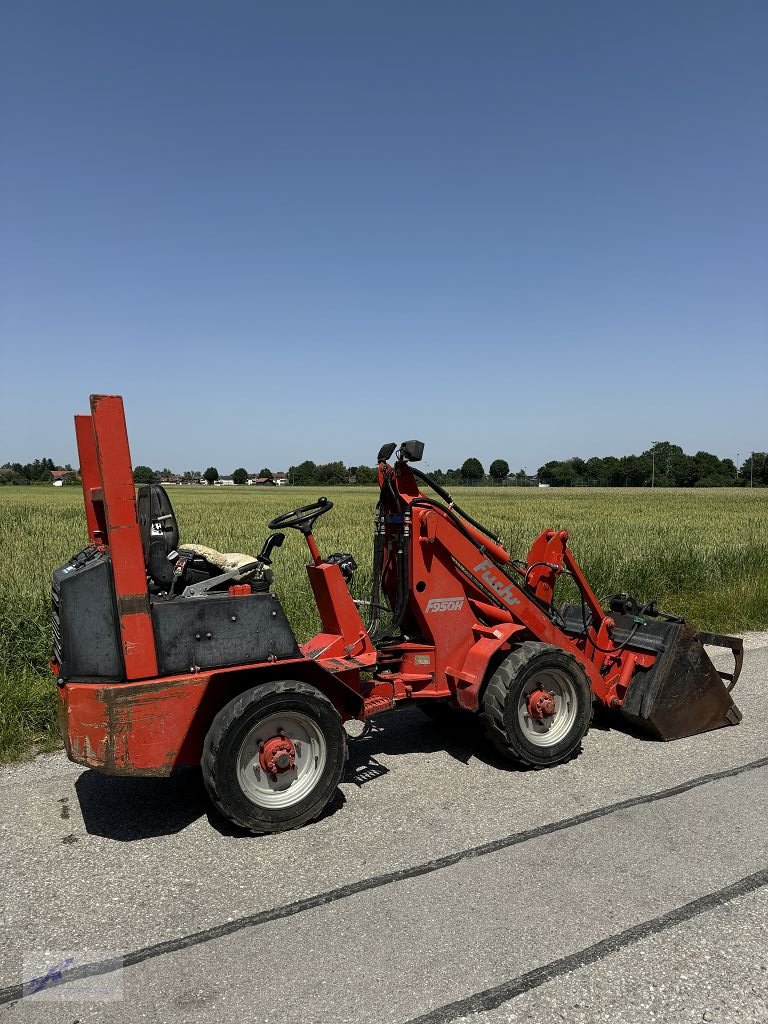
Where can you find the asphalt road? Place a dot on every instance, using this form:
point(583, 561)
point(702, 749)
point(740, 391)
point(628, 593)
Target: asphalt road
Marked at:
point(630, 885)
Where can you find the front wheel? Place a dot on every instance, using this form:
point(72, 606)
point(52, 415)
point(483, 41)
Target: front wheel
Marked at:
point(537, 706)
point(274, 755)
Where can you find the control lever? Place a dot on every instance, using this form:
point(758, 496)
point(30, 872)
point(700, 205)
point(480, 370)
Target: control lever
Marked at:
point(179, 571)
point(275, 540)
point(196, 589)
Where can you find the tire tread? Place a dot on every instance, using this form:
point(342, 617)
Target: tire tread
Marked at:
point(222, 723)
point(494, 702)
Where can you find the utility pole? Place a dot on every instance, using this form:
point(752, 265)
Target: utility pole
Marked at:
point(653, 463)
point(751, 467)
point(737, 467)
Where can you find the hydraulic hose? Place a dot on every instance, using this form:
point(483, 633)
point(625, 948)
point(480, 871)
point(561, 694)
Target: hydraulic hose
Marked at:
point(449, 512)
point(606, 650)
point(453, 511)
point(441, 492)
point(401, 597)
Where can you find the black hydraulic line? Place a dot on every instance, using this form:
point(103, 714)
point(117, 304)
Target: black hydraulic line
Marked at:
point(378, 553)
point(431, 503)
point(378, 564)
point(656, 613)
point(452, 504)
point(606, 650)
point(401, 597)
point(402, 565)
point(551, 612)
point(402, 587)
point(456, 521)
point(533, 566)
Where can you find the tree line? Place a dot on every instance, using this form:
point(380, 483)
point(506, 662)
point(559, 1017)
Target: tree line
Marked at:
point(662, 465)
point(471, 471)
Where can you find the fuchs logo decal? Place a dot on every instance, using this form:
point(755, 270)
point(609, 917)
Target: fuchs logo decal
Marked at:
point(500, 586)
point(445, 604)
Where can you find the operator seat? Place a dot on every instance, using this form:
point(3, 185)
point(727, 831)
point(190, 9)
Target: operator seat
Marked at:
point(159, 531)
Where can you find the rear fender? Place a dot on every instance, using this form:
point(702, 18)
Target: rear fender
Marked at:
point(152, 727)
point(347, 701)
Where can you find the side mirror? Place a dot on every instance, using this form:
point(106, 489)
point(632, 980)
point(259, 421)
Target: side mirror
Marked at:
point(411, 451)
point(385, 451)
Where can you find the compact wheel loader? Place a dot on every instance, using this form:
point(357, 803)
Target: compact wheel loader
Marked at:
point(168, 654)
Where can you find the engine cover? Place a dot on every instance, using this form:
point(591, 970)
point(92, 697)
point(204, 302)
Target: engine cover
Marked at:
point(86, 636)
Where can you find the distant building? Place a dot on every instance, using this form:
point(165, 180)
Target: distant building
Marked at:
point(58, 476)
point(224, 481)
point(261, 481)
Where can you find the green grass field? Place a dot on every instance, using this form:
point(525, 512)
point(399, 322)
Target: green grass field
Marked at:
point(701, 553)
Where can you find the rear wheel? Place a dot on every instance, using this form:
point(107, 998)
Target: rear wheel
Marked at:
point(274, 756)
point(537, 706)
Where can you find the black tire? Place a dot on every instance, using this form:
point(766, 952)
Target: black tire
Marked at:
point(233, 734)
point(504, 695)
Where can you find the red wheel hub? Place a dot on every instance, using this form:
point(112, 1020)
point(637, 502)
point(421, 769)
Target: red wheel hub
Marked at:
point(541, 704)
point(278, 754)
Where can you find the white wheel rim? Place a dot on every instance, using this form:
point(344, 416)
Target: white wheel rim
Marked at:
point(546, 732)
point(289, 787)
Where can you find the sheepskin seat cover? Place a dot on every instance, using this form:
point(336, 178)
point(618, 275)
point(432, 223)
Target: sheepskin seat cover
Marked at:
point(224, 560)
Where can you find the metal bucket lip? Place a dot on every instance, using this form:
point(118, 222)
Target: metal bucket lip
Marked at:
point(733, 643)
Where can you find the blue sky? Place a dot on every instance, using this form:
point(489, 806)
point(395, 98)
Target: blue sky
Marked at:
point(288, 231)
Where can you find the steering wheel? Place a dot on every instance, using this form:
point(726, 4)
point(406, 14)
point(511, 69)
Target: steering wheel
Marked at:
point(301, 518)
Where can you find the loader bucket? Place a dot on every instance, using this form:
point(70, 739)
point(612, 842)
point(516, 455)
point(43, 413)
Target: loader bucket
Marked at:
point(682, 693)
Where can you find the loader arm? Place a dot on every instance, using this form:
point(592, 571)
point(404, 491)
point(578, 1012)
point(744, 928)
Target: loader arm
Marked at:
point(516, 604)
